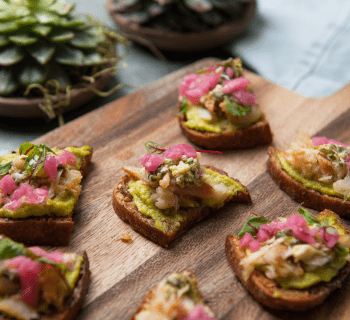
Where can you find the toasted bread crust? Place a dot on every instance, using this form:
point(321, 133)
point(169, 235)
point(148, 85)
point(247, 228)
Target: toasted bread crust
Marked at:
point(75, 302)
point(296, 190)
point(126, 210)
point(256, 135)
point(43, 230)
point(264, 290)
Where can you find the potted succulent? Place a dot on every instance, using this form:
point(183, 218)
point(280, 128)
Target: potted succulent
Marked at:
point(51, 60)
point(182, 25)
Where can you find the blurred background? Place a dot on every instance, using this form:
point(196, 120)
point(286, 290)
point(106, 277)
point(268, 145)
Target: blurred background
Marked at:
point(303, 45)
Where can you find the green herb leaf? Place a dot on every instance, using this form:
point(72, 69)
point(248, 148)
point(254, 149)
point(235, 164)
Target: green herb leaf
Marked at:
point(35, 160)
point(255, 222)
point(10, 249)
point(24, 147)
point(235, 109)
point(61, 266)
point(340, 250)
point(184, 105)
point(308, 216)
point(5, 168)
point(150, 147)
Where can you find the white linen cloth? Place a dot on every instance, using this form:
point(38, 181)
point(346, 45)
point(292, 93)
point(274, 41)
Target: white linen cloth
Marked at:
point(303, 45)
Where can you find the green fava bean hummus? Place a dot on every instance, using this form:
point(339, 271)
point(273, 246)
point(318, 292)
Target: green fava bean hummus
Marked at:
point(166, 219)
point(310, 184)
point(195, 122)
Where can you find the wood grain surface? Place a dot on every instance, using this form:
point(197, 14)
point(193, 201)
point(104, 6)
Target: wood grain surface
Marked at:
point(122, 273)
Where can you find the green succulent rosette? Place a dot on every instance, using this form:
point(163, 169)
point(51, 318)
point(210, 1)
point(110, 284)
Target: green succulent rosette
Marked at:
point(46, 50)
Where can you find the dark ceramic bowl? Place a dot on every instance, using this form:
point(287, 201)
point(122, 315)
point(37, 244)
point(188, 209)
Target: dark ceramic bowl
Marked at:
point(29, 107)
point(184, 42)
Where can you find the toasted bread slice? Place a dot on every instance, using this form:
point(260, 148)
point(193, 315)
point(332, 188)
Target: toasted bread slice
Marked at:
point(270, 294)
point(163, 301)
point(297, 191)
point(224, 97)
point(127, 211)
point(256, 135)
point(43, 230)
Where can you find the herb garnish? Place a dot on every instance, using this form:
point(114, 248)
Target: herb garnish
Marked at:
point(252, 225)
point(235, 109)
point(153, 147)
point(5, 168)
point(35, 157)
point(308, 216)
point(184, 105)
point(10, 249)
point(24, 148)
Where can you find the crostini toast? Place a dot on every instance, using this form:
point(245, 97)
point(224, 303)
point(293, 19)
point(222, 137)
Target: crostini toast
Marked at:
point(289, 295)
point(40, 191)
point(217, 109)
point(309, 189)
point(162, 222)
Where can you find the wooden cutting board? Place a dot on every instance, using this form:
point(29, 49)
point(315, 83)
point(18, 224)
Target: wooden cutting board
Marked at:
point(122, 273)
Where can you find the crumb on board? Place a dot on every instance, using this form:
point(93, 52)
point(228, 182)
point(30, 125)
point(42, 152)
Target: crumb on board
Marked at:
point(125, 237)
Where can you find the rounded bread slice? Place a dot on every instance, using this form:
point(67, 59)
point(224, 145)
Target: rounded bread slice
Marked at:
point(268, 293)
point(297, 191)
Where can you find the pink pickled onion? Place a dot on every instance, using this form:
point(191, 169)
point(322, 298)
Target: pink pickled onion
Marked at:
point(265, 232)
point(235, 85)
point(323, 140)
point(198, 313)
point(28, 272)
point(151, 161)
point(51, 163)
point(25, 193)
point(194, 86)
point(230, 72)
point(50, 166)
point(179, 150)
point(7, 185)
point(56, 256)
point(245, 240)
point(331, 237)
point(254, 245)
point(245, 97)
point(248, 241)
point(66, 157)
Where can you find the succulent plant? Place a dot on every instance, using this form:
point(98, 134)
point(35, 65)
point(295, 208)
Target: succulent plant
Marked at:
point(179, 15)
point(46, 49)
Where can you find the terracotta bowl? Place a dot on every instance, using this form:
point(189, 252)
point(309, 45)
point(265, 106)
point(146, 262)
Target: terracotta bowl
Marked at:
point(184, 42)
point(29, 107)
